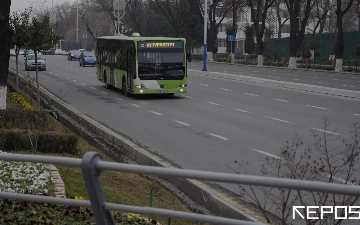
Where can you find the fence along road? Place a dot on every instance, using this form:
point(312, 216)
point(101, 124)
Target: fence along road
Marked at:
point(92, 165)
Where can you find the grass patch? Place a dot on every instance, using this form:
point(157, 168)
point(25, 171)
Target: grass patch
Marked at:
point(123, 188)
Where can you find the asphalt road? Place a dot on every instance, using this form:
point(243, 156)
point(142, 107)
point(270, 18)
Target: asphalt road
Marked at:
point(220, 125)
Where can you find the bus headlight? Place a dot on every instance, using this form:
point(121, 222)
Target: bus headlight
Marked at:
point(181, 90)
point(140, 86)
point(141, 91)
point(182, 85)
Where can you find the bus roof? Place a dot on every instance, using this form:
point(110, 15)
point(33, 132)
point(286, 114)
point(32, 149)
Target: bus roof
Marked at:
point(139, 38)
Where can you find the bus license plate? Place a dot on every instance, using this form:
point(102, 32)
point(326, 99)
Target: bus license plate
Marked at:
point(161, 91)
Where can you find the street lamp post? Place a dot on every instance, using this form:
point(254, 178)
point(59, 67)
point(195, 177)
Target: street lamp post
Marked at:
point(205, 35)
point(77, 25)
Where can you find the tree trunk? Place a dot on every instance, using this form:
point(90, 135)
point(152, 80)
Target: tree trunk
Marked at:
point(292, 60)
point(260, 45)
point(340, 37)
point(5, 39)
point(37, 82)
point(338, 65)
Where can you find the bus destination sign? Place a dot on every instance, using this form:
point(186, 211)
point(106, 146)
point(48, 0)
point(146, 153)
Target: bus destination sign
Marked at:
point(153, 44)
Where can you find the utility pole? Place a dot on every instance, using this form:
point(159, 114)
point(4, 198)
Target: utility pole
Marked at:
point(77, 25)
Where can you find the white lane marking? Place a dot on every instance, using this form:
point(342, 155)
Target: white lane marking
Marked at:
point(56, 74)
point(50, 72)
point(356, 114)
point(156, 113)
point(269, 76)
point(213, 103)
point(329, 132)
point(84, 70)
point(344, 85)
point(335, 79)
point(243, 111)
point(225, 89)
point(316, 107)
point(135, 105)
point(68, 78)
point(320, 82)
point(295, 79)
point(331, 75)
point(185, 124)
point(74, 80)
point(251, 94)
point(266, 153)
point(188, 96)
point(218, 136)
point(280, 100)
point(189, 82)
point(92, 88)
point(278, 119)
point(352, 86)
point(104, 93)
point(204, 85)
point(82, 83)
point(118, 98)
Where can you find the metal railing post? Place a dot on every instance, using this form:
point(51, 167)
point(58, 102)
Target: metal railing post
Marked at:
point(97, 198)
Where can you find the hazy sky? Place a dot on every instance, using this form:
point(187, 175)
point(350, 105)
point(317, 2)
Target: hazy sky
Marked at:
point(22, 4)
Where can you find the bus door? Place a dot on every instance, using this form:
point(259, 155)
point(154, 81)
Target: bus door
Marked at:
point(131, 69)
point(112, 67)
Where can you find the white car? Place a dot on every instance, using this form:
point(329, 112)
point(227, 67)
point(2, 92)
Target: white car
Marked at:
point(58, 51)
point(12, 52)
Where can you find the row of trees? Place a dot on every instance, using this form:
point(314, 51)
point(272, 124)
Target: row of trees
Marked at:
point(184, 18)
point(22, 30)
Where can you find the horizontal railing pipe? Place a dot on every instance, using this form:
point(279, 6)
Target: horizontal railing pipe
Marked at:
point(234, 178)
point(177, 214)
point(45, 199)
point(58, 160)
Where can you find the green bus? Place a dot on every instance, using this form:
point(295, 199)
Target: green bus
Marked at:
point(142, 65)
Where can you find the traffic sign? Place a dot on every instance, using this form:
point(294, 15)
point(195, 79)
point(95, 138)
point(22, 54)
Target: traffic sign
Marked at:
point(231, 37)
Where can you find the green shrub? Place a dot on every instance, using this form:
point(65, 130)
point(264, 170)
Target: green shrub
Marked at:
point(39, 141)
point(25, 119)
point(350, 69)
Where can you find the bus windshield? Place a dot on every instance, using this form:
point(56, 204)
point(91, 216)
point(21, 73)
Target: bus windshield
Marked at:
point(162, 63)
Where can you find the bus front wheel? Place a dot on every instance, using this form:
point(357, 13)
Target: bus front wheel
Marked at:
point(126, 93)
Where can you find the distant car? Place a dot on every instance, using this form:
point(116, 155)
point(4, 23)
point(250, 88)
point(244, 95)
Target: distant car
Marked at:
point(58, 52)
point(21, 51)
point(29, 52)
point(87, 58)
point(30, 62)
point(12, 52)
point(74, 54)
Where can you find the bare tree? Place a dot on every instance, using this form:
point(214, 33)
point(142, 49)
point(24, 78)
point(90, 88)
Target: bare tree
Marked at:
point(5, 38)
point(298, 22)
point(340, 35)
point(281, 15)
point(216, 16)
point(258, 13)
point(328, 158)
point(320, 13)
point(20, 23)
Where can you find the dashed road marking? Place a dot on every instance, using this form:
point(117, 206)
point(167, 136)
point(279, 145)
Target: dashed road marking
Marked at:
point(329, 132)
point(118, 98)
point(92, 88)
point(183, 123)
point(82, 83)
point(279, 120)
point(243, 111)
point(156, 113)
point(188, 96)
point(225, 89)
point(266, 153)
point(251, 94)
point(212, 103)
point(218, 136)
point(104, 93)
point(281, 100)
point(317, 107)
point(135, 105)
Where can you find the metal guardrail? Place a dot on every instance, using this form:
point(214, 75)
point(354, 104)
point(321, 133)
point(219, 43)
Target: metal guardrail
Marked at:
point(92, 165)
